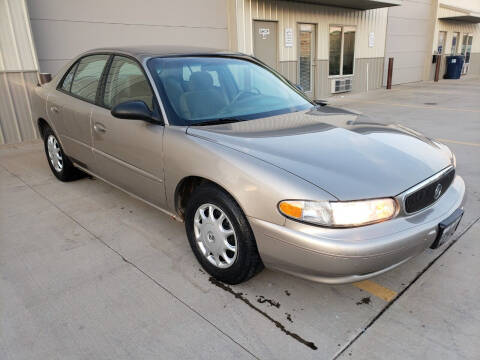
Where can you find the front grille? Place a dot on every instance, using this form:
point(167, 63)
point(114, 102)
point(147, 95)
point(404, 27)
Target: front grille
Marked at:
point(425, 196)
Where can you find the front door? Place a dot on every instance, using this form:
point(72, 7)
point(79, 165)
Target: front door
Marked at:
point(306, 58)
point(265, 42)
point(128, 153)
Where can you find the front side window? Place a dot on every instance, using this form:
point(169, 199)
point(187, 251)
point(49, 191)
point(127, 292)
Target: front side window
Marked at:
point(342, 50)
point(126, 82)
point(199, 89)
point(87, 76)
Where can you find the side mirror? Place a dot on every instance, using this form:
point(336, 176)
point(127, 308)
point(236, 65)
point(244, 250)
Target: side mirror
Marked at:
point(321, 102)
point(134, 110)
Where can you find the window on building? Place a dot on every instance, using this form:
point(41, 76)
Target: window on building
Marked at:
point(455, 38)
point(342, 50)
point(441, 42)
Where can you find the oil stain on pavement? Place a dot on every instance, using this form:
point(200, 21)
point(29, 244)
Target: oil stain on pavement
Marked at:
point(278, 324)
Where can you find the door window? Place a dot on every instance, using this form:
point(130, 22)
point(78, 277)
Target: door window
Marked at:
point(306, 38)
point(126, 82)
point(87, 76)
point(342, 50)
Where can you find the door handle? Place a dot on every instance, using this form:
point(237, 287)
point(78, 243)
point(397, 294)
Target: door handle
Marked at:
point(54, 109)
point(99, 128)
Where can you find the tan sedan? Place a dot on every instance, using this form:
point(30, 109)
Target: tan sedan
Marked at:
point(260, 174)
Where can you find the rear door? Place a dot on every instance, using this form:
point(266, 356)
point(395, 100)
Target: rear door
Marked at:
point(128, 153)
point(78, 98)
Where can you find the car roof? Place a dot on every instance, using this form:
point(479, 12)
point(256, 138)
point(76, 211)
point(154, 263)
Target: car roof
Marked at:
point(145, 51)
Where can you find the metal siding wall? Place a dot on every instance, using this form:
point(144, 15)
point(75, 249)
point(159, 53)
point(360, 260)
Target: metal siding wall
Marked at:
point(323, 83)
point(289, 70)
point(289, 14)
point(462, 27)
point(409, 35)
point(63, 29)
point(474, 68)
point(450, 27)
point(18, 73)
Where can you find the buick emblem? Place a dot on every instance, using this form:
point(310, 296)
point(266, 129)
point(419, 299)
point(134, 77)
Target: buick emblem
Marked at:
point(438, 191)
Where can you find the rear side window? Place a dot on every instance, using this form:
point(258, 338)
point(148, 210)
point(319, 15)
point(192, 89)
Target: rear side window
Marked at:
point(126, 82)
point(67, 80)
point(87, 76)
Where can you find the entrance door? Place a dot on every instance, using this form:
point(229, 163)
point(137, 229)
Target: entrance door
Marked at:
point(306, 57)
point(466, 51)
point(265, 44)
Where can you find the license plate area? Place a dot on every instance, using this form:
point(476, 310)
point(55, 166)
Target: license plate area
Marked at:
point(446, 228)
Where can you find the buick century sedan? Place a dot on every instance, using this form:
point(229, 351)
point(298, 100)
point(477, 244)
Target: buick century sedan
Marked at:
point(260, 174)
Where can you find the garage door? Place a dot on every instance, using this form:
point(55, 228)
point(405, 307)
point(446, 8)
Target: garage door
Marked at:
point(408, 40)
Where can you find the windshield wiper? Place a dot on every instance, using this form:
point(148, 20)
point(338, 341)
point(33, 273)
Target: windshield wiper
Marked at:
point(228, 120)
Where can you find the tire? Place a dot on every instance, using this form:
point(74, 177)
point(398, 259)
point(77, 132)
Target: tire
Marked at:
point(245, 262)
point(60, 164)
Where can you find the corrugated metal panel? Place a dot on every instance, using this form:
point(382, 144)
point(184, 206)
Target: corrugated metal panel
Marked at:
point(16, 46)
point(15, 112)
point(462, 27)
point(63, 29)
point(289, 14)
point(409, 35)
point(18, 73)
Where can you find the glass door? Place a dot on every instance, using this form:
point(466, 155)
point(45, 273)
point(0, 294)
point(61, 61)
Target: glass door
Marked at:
point(455, 39)
point(306, 54)
point(466, 51)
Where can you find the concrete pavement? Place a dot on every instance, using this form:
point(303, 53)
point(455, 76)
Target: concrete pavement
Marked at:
point(88, 272)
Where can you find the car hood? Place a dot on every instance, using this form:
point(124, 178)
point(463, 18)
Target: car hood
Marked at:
point(337, 150)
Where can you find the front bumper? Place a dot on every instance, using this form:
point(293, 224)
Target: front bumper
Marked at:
point(337, 256)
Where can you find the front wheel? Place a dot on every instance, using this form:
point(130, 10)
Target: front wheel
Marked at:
point(60, 164)
point(220, 235)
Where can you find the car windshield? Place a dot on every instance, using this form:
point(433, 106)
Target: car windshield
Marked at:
point(203, 89)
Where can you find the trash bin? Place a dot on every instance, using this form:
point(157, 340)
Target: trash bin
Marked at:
point(454, 67)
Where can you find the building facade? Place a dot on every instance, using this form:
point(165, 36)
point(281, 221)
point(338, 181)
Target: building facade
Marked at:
point(324, 49)
point(323, 46)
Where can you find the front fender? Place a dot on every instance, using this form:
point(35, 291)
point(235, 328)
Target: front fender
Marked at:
point(257, 186)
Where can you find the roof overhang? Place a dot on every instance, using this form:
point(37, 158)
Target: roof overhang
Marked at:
point(474, 19)
point(354, 4)
point(446, 12)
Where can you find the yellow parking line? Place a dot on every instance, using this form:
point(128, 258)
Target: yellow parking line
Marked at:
point(376, 290)
point(459, 142)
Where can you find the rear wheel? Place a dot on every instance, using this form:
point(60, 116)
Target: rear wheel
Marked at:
point(60, 164)
point(220, 235)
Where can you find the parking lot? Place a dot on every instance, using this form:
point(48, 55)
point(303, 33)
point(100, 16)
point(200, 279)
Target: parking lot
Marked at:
point(87, 272)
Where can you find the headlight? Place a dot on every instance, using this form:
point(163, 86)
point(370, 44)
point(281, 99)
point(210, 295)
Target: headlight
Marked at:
point(339, 213)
